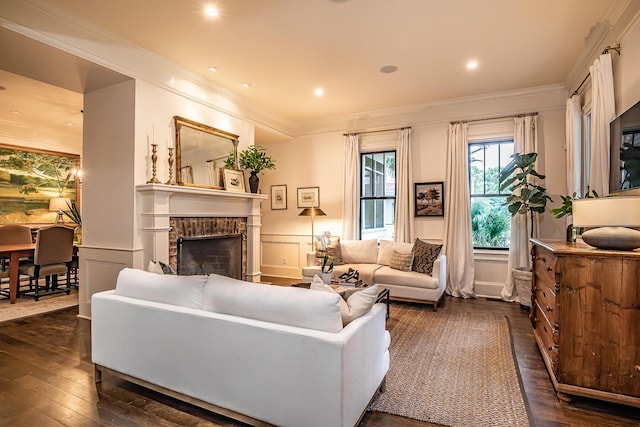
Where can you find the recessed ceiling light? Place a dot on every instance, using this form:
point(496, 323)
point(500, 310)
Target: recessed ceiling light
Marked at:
point(69, 124)
point(211, 11)
point(319, 91)
point(14, 111)
point(246, 85)
point(472, 65)
point(388, 69)
point(213, 69)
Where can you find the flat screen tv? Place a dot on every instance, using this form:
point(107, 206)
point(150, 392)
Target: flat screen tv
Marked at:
point(625, 151)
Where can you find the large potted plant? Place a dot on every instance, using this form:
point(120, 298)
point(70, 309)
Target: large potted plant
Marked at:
point(527, 198)
point(255, 159)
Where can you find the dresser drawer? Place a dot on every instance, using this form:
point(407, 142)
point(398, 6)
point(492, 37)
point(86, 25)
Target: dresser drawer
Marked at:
point(547, 334)
point(546, 298)
point(544, 268)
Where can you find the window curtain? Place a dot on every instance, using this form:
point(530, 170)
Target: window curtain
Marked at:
point(403, 219)
point(602, 112)
point(351, 205)
point(187, 176)
point(573, 145)
point(458, 243)
point(211, 178)
point(525, 140)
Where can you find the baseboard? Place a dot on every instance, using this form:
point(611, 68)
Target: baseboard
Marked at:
point(488, 289)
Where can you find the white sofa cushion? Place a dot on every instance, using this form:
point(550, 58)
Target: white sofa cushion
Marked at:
point(387, 248)
point(388, 276)
point(278, 304)
point(185, 291)
point(359, 251)
point(358, 304)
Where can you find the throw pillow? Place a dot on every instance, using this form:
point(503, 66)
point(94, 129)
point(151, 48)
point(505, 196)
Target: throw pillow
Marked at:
point(160, 267)
point(424, 255)
point(358, 304)
point(333, 251)
point(400, 261)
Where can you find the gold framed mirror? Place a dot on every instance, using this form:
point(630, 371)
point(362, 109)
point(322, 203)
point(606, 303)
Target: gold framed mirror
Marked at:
point(201, 152)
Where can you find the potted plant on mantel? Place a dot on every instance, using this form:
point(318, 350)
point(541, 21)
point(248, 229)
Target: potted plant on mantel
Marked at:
point(526, 198)
point(255, 159)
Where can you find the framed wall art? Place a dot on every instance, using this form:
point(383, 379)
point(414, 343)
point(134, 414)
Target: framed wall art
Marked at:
point(309, 197)
point(429, 198)
point(36, 184)
point(234, 180)
point(278, 197)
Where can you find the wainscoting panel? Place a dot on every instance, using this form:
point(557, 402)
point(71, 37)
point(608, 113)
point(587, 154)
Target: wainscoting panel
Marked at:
point(283, 255)
point(99, 269)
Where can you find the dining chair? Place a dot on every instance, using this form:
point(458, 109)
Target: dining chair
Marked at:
point(11, 234)
point(52, 256)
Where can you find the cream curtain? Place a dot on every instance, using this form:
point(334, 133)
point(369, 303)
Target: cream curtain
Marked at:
point(458, 243)
point(211, 177)
point(350, 206)
point(602, 112)
point(525, 140)
point(574, 145)
point(187, 176)
point(403, 219)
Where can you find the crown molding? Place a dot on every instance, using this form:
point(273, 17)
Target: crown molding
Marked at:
point(42, 22)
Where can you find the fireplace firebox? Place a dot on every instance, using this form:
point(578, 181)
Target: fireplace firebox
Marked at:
point(219, 254)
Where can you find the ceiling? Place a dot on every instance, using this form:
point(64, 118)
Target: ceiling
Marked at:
point(286, 49)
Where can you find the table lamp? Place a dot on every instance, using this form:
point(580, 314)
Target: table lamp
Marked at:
point(312, 212)
point(59, 204)
point(609, 220)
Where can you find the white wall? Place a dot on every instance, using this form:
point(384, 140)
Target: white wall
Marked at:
point(318, 160)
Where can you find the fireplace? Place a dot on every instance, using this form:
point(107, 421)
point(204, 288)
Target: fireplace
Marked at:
point(170, 212)
point(211, 255)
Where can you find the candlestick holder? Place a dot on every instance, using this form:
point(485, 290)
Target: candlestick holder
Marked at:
point(154, 160)
point(170, 181)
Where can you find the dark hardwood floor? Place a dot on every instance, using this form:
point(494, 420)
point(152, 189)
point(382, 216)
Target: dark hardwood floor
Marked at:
point(46, 379)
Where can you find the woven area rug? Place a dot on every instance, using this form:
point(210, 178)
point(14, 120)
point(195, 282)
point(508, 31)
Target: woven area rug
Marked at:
point(28, 307)
point(452, 369)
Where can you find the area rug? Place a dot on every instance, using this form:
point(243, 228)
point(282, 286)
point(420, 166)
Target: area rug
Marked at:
point(29, 307)
point(452, 369)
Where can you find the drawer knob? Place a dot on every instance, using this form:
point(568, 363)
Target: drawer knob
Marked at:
point(549, 268)
point(549, 308)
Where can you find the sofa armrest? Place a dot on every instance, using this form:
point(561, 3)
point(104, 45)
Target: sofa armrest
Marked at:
point(440, 271)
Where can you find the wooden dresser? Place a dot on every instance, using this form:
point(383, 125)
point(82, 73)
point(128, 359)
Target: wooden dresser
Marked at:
point(586, 318)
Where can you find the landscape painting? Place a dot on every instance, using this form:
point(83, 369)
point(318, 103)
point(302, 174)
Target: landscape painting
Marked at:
point(429, 198)
point(30, 178)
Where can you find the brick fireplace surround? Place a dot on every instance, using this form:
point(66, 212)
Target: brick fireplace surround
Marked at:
point(169, 211)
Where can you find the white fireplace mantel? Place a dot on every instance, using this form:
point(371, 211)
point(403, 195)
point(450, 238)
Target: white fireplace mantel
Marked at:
point(157, 203)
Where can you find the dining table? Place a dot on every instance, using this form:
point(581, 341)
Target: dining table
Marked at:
point(15, 252)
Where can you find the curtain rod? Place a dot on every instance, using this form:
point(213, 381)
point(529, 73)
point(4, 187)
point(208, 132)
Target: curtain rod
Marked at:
point(375, 131)
point(606, 50)
point(535, 113)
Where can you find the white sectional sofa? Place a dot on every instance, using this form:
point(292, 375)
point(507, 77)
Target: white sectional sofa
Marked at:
point(373, 263)
point(266, 355)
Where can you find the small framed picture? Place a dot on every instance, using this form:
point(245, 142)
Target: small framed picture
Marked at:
point(278, 197)
point(429, 198)
point(234, 180)
point(309, 197)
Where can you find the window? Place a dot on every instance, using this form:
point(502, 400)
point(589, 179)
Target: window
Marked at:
point(490, 219)
point(378, 195)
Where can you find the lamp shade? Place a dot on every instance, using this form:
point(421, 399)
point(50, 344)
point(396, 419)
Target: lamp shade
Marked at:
point(312, 212)
point(608, 218)
point(59, 203)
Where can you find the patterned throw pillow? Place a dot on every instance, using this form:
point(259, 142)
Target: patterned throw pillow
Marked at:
point(333, 250)
point(424, 255)
point(400, 261)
